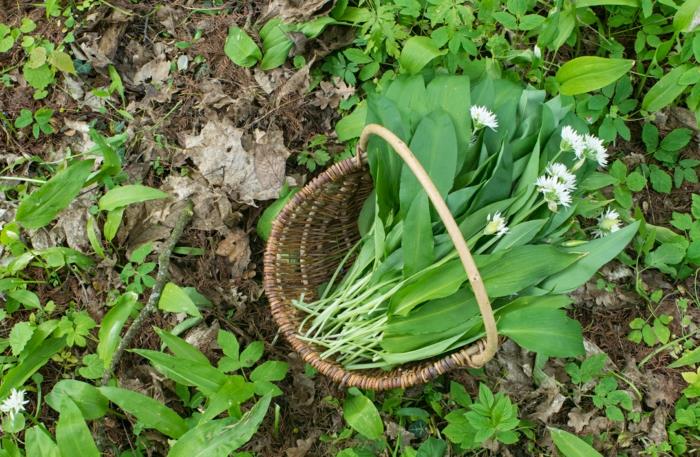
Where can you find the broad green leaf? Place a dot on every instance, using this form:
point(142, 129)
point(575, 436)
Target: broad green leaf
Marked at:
point(111, 326)
point(38, 443)
point(314, 27)
point(597, 253)
point(20, 335)
point(276, 44)
point(571, 445)
point(205, 377)
point(112, 223)
point(62, 61)
point(588, 3)
point(175, 300)
point(37, 57)
point(350, 126)
point(87, 398)
point(181, 348)
point(521, 234)
point(219, 438)
point(264, 226)
point(252, 354)
point(588, 73)
point(16, 376)
point(666, 90)
point(271, 370)
point(38, 78)
point(689, 358)
point(685, 16)
point(361, 414)
point(417, 52)
point(241, 48)
point(417, 241)
point(43, 205)
point(549, 332)
point(150, 412)
point(72, 433)
point(452, 94)
point(122, 196)
point(432, 447)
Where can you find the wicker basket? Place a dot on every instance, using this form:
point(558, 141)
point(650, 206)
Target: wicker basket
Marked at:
point(313, 233)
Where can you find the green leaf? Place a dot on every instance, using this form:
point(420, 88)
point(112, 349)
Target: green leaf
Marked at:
point(264, 226)
point(39, 78)
point(276, 44)
point(666, 90)
point(660, 180)
point(571, 445)
point(150, 413)
point(24, 119)
point(88, 399)
point(676, 140)
point(361, 414)
point(72, 433)
point(597, 253)
point(62, 61)
point(20, 335)
point(112, 223)
point(38, 443)
point(685, 16)
point(417, 52)
point(37, 58)
point(111, 326)
point(589, 3)
point(219, 438)
point(175, 300)
point(252, 354)
point(585, 74)
point(205, 377)
point(689, 358)
point(241, 48)
point(417, 242)
point(549, 332)
point(636, 181)
point(432, 447)
point(181, 348)
point(122, 196)
point(16, 376)
point(41, 206)
point(270, 371)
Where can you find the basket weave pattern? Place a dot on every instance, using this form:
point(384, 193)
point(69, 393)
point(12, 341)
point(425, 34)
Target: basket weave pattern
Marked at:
point(309, 238)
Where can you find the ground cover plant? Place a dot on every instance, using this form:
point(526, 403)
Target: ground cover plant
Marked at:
point(147, 146)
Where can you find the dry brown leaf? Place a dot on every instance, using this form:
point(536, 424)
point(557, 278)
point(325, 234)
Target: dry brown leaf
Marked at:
point(236, 248)
point(257, 174)
point(156, 71)
point(296, 10)
point(298, 84)
point(302, 447)
point(203, 337)
point(578, 420)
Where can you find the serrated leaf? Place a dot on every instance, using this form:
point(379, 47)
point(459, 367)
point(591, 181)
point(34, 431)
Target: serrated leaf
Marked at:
point(62, 61)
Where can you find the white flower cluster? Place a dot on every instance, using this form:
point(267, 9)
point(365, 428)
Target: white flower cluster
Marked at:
point(483, 117)
point(584, 147)
point(608, 222)
point(556, 185)
point(14, 403)
point(496, 224)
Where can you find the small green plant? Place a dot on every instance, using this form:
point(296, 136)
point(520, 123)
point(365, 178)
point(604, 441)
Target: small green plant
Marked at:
point(589, 370)
point(315, 153)
point(607, 396)
point(136, 273)
point(490, 417)
point(656, 332)
point(40, 121)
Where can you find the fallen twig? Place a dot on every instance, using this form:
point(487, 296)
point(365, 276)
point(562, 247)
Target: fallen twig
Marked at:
point(161, 277)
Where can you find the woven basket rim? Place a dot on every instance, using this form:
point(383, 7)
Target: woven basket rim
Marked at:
point(402, 376)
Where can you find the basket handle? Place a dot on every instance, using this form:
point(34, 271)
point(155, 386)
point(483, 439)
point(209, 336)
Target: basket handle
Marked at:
point(460, 244)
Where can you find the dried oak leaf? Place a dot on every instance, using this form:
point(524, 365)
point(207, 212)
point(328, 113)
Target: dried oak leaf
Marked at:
point(255, 174)
point(302, 447)
point(578, 419)
point(156, 71)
